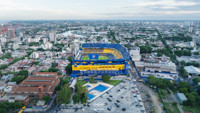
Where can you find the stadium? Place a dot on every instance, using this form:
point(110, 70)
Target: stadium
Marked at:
point(97, 59)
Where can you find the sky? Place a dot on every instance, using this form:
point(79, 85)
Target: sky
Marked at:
point(99, 9)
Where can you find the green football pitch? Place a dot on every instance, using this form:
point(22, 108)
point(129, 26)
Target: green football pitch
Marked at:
point(100, 58)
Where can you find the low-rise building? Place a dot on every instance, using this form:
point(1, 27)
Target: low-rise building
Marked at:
point(38, 85)
point(192, 70)
point(181, 97)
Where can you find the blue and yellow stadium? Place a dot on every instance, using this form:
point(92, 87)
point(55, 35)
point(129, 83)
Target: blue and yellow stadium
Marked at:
point(97, 59)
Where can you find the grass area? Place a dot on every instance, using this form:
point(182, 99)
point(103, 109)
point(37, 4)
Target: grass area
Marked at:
point(114, 82)
point(162, 93)
point(103, 58)
point(100, 58)
point(85, 58)
point(191, 109)
point(170, 108)
point(81, 82)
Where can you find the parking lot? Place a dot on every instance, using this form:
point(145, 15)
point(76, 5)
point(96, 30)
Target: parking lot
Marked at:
point(125, 97)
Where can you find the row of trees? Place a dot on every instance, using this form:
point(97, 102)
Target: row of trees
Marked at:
point(196, 64)
point(183, 52)
point(160, 83)
point(6, 106)
point(145, 49)
point(20, 76)
point(179, 37)
point(81, 94)
point(64, 95)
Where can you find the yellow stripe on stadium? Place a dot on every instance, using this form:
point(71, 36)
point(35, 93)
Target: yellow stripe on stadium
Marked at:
point(98, 67)
point(116, 53)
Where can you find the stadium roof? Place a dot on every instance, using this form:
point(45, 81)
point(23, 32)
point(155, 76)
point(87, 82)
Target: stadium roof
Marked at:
point(118, 47)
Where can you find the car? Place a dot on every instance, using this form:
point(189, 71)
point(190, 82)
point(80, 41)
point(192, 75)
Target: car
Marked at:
point(118, 101)
point(123, 109)
point(122, 97)
point(110, 96)
point(108, 109)
point(117, 106)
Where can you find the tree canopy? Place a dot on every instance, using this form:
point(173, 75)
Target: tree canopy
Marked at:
point(106, 78)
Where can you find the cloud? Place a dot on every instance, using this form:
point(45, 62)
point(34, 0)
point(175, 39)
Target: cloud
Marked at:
point(102, 9)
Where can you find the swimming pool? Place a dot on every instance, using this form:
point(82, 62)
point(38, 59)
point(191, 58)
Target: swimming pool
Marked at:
point(88, 86)
point(100, 88)
point(90, 96)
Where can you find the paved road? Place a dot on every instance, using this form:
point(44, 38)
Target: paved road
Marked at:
point(154, 99)
point(157, 106)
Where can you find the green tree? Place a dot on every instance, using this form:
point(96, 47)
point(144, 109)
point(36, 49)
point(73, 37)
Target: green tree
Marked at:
point(191, 101)
point(76, 98)
point(17, 79)
point(183, 90)
point(46, 99)
point(68, 68)
point(64, 95)
point(53, 64)
point(106, 78)
point(2, 110)
point(91, 79)
point(36, 63)
point(183, 72)
point(145, 49)
point(81, 92)
point(70, 58)
point(53, 69)
point(196, 53)
point(117, 41)
point(23, 73)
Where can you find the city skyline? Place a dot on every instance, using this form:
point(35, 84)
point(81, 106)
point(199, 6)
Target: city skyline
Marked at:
point(100, 10)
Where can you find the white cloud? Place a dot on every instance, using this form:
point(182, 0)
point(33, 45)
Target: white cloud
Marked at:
point(93, 9)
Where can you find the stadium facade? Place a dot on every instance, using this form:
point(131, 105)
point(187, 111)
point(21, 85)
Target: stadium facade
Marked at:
point(97, 59)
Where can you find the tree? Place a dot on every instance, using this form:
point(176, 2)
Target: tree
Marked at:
point(68, 68)
point(40, 49)
point(53, 69)
point(46, 99)
point(196, 80)
point(91, 79)
point(183, 72)
point(35, 63)
point(2, 110)
point(117, 41)
point(18, 79)
point(64, 95)
point(145, 49)
point(81, 92)
point(23, 73)
point(183, 90)
point(70, 58)
point(106, 78)
point(191, 101)
point(53, 64)
point(196, 53)
point(76, 98)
